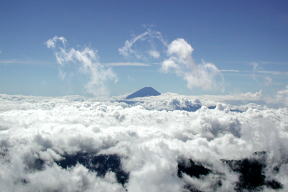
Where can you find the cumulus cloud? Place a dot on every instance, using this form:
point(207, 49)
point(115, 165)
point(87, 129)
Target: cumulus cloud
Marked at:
point(180, 62)
point(36, 132)
point(86, 62)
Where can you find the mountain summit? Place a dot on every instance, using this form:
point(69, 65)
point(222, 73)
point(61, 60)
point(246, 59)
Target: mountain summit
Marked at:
point(144, 92)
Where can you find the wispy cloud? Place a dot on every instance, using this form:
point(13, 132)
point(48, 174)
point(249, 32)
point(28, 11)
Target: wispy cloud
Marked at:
point(256, 71)
point(86, 62)
point(155, 54)
point(272, 63)
point(26, 62)
point(282, 95)
point(123, 64)
point(273, 72)
point(149, 36)
point(51, 43)
point(230, 70)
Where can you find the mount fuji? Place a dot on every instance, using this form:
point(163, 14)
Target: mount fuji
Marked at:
point(144, 92)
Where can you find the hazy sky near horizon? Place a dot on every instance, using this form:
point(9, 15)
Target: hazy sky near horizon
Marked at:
point(115, 47)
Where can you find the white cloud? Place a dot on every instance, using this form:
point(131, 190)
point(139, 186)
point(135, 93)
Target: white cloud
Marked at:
point(257, 69)
point(272, 63)
point(26, 62)
point(254, 72)
point(154, 54)
point(180, 62)
point(51, 43)
point(135, 64)
point(150, 36)
point(127, 48)
point(282, 96)
point(237, 99)
point(273, 72)
point(86, 61)
point(181, 49)
point(149, 141)
point(262, 75)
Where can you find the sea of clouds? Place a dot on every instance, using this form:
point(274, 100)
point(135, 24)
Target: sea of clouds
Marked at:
point(150, 135)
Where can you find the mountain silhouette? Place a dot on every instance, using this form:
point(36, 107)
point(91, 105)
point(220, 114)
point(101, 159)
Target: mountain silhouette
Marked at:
point(144, 92)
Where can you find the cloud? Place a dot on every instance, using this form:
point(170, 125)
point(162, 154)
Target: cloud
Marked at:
point(51, 43)
point(154, 54)
point(36, 132)
point(134, 64)
point(230, 70)
point(273, 72)
point(180, 62)
point(262, 75)
point(260, 72)
point(272, 63)
point(255, 68)
point(280, 98)
point(150, 36)
point(26, 62)
point(86, 62)
point(237, 99)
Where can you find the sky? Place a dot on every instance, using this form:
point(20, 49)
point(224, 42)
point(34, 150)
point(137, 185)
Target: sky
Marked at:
point(96, 48)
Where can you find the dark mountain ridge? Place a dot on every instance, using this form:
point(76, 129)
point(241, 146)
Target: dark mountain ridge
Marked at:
point(144, 92)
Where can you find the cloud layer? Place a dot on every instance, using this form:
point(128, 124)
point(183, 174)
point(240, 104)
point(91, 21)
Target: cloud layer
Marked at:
point(36, 132)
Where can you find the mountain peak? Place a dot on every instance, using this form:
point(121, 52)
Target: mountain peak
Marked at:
point(144, 92)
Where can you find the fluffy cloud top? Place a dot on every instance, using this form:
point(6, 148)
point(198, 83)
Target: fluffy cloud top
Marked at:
point(36, 132)
point(86, 61)
point(180, 48)
point(180, 61)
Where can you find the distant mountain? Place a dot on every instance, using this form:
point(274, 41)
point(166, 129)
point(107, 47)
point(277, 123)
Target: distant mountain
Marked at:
point(144, 92)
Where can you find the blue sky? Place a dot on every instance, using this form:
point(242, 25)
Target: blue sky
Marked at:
point(248, 37)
